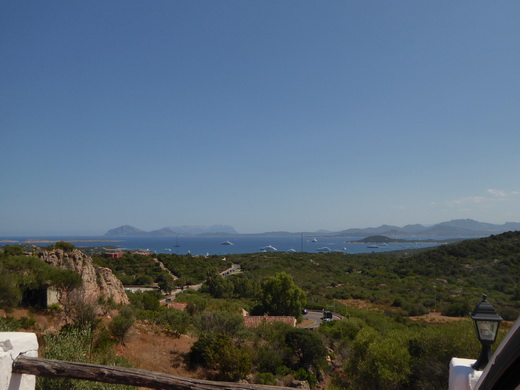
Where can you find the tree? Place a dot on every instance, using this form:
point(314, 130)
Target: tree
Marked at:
point(10, 294)
point(122, 323)
point(218, 287)
point(196, 304)
point(166, 283)
point(175, 321)
point(281, 296)
point(243, 287)
point(13, 250)
point(25, 279)
point(306, 347)
point(219, 352)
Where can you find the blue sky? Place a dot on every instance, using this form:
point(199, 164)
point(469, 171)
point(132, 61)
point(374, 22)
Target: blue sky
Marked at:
point(292, 115)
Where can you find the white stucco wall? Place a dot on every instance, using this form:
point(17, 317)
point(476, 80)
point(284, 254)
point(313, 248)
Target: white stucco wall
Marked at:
point(13, 344)
point(462, 376)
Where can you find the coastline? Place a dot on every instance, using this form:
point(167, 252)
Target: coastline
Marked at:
point(41, 241)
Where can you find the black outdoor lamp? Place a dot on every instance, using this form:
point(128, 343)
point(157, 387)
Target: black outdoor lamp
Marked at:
point(487, 322)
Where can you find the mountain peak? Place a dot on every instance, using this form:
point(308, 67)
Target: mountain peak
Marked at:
point(124, 230)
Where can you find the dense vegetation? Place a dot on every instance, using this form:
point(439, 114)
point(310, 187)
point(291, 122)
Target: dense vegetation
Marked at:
point(193, 269)
point(140, 270)
point(449, 278)
point(23, 279)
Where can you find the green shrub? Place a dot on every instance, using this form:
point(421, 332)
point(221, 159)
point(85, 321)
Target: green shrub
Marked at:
point(9, 324)
point(122, 323)
point(304, 375)
point(65, 246)
point(76, 345)
point(218, 352)
point(456, 309)
point(268, 360)
point(265, 378)
point(175, 321)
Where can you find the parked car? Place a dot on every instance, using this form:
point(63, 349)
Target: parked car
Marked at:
point(327, 315)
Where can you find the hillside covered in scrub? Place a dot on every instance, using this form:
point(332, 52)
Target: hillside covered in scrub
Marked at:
point(448, 278)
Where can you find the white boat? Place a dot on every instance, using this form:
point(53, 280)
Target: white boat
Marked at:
point(167, 250)
point(227, 242)
point(292, 250)
point(372, 246)
point(268, 248)
point(324, 249)
point(314, 240)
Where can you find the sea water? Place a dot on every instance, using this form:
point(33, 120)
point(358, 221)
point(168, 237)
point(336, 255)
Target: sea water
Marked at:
point(214, 245)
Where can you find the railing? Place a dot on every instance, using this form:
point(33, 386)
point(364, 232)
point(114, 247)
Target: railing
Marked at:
point(19, 366)
point(121, 375)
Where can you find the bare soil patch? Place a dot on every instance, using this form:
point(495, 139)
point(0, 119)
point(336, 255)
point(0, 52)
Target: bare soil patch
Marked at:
point(436, 317)
point(361, 304)
point(154, 350)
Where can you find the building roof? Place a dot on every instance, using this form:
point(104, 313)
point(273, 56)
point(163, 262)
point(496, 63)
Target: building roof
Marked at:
point(254, 321)
point(177, 305)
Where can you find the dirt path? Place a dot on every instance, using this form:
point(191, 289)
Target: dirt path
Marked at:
point(166, 269)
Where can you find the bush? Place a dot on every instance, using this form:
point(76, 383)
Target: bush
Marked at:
point(122, 323)
point(65, 246)
point(268, 360)
point(414, 309)
point(219, 352)
point(456, 309)
point(509, 314)
point(175, 321)
point(265, 378)
point(10, 293)
point(75, 344)
point(9, 324)
point(147, 300)
point(306, 347)
point(304, 375)
point(222, 322)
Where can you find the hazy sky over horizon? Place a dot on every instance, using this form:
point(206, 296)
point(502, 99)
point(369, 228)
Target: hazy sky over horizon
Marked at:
point(293, 115)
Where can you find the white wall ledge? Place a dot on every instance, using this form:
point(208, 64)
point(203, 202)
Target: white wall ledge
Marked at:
point(462, 376)
point(13, 344)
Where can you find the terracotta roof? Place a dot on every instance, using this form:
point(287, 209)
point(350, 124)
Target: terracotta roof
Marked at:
point(254, 321)
point(177, 305)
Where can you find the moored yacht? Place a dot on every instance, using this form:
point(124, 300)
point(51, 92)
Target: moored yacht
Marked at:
point(324, 249)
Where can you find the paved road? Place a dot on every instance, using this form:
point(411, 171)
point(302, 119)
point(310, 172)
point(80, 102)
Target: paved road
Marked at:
point(235, 268)
point(315, 316)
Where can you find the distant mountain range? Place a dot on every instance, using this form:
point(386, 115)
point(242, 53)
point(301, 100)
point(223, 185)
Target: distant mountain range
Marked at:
point(127, 230)
point(457, 228)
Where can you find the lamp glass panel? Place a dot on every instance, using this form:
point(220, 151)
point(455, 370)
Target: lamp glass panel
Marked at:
point(487, 330)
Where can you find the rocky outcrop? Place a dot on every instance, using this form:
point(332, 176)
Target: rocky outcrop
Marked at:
point(97, 281)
